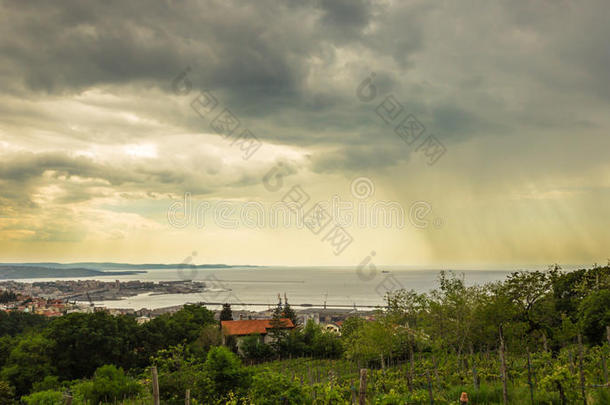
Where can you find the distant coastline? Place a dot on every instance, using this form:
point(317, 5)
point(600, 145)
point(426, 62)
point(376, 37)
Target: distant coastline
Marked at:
point(121, 266)
point(10, 272)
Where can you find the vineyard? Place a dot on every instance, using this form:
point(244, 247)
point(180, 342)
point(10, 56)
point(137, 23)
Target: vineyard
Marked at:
point(535, 338)
point(442, 379)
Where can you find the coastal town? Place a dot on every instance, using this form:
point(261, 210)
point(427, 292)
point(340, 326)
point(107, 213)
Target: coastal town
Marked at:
point(61, 297)
point(55, 298)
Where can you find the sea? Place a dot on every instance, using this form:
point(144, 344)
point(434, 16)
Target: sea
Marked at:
point(257, 288)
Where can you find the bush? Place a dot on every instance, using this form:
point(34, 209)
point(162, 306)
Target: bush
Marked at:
point(7, 392)
point(273, 388)
point(226, 371)
point(253, 349)
point(49, 397)
point(173, 386)
point(108, 384)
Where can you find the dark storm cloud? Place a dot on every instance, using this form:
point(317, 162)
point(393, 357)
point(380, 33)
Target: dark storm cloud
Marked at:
point(289, 69)
point(359, 159)
point(75, 46)
point(22, 173)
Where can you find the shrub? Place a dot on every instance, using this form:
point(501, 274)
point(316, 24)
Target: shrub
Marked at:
point(108, 384)
point(253, 349)
point(48, 397)
point(226, 371)
point(272, 388)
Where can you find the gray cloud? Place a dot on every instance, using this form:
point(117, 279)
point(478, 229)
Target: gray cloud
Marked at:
point(82, 82)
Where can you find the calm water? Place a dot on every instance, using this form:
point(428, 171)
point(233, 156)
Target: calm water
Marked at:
point(338, 286)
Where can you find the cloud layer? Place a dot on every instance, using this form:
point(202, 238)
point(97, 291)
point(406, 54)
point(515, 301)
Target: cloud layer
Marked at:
point(95, 141)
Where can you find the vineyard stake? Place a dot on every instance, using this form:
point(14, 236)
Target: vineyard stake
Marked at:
point(580, 369)
point(474, 370)
point(529, 376)
point(503, 368)
point(362, 396)
point(155, 384)
point(430, 387)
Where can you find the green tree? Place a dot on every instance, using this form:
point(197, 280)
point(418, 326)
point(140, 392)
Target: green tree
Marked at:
point(253, 348)
point(7, 393)
point(183, 326)
point(226, 314)
point(272, 388)
point(226, 371)
point(84, 342)
point(13, 323)
point(595, 315)
point(209, 336)
point(288, 312)
point(109, 384)
point(351, 325)
point(47, 397)
point(28, 362)
point(278, 331)
point(7, 296)
point(374, 341)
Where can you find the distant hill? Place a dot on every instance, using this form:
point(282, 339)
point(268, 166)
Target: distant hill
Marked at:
point(9, 272)
point(120, 266)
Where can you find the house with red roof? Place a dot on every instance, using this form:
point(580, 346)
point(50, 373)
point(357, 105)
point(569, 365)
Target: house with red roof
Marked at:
point(260, 327)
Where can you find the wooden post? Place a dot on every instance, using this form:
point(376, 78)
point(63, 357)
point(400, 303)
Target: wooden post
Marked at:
point(411, 364)
point(409, 378)
point(362, 396)
point(604, 356)
point(581, 371)
point(503, 369)
point(571, 362)
point(187, 397)
point(544, 342)
point(562, 395)
point(604, 367)
point(155, 386)
point(475, 380)
point(529, 376)
point(429, 387)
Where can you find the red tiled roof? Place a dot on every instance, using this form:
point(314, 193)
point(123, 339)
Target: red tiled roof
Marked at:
point(250, 326)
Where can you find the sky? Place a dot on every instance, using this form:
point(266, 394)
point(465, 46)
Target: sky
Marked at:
point(469, 133)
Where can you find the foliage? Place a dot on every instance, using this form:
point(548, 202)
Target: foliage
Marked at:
point(7, 393)
point(84, 342)
point(28, 362)
point(253, 348)
point(209, 336)
point(226, 371)
point(445, 340)
point(272, 388)
point(226, 314)
point(48, 397)
point(289, 313)
point(108, 384)
point(7, 296)
point(594, 316)
point(13, 323)
point(167, 330)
